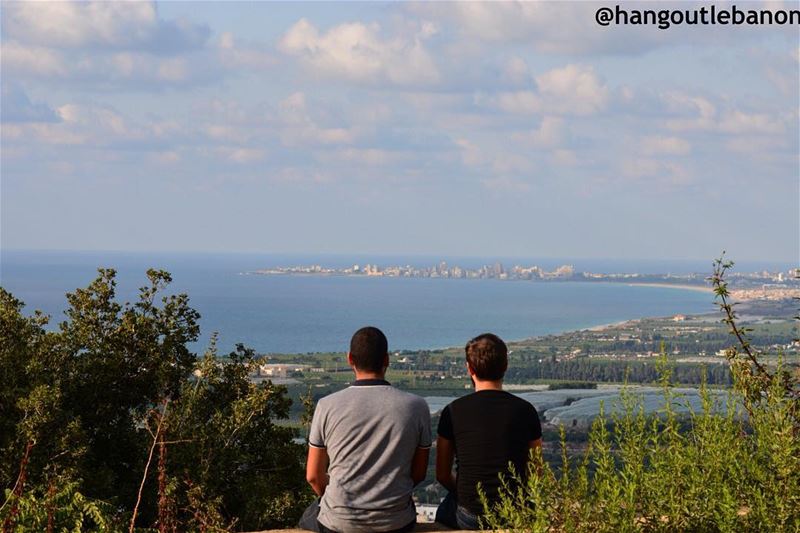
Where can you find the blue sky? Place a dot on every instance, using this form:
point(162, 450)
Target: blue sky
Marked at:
point(471, 129)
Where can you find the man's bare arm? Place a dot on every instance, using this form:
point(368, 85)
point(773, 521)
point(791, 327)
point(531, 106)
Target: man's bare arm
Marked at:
point(317, 469)
point(419, 465)
point(445, 453)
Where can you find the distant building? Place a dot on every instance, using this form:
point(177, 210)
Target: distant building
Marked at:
point(565, 271)
point(279, 370)
point(498, 269)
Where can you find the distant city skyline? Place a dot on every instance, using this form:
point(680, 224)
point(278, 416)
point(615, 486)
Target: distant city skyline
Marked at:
point(439, 129)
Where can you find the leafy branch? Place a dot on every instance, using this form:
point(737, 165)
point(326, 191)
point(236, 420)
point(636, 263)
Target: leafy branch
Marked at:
point(756, 376)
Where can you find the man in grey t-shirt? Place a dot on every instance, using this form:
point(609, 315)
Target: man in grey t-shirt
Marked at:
point(368, 447)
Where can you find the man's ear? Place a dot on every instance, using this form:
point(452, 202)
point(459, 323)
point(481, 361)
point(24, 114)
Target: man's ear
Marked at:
point(469, 370)
point(350, 360)
point(386, 361)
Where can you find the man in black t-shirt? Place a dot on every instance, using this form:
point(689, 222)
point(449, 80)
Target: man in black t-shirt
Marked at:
point(484, 431)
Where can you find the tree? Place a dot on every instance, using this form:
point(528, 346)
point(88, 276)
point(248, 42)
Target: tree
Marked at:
point(86, 410)
point(223, 438)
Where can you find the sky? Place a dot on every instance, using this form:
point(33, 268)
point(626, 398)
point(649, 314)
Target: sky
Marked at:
point(441, 128)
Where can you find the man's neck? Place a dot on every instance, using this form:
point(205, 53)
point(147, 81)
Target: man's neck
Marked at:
point(487, 385)
point(369, 375)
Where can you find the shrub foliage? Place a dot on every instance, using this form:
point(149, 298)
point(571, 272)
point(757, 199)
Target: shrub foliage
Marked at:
point(111, 423)
point(732, 467)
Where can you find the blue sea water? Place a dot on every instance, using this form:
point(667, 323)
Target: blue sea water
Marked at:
point(298, 314)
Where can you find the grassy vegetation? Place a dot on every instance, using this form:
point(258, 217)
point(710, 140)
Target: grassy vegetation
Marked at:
point(645, 473)
point(737, 470)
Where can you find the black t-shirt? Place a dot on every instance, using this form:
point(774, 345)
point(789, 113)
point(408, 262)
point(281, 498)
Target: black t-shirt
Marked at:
point(489, 428)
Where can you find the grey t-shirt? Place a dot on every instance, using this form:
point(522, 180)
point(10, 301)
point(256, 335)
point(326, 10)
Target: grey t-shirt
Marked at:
point(371, 431)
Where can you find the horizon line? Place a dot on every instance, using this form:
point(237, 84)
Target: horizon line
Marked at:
point(419, 255)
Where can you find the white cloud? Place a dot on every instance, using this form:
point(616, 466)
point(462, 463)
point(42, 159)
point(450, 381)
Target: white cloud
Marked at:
point(95, 126)
point(168, 157)
point(114, 25)
point(376, 157)
point(36, 60)
point(228, 132)
point(659, 145)
point(122, 69)
point(128, 70)
point(237, 54)
point(15, 106)
point(118, 45)
point(736, 121)
point(506, 184)
point(357, 52)
point(704, 116)
point(471, 155)
point(41, 133)
point(549, 27)
point(173, 69)
point(763, 148)
point(516, 71)
point(702, 112)
point(301, 176)
point(300, 129)
point(517, 102)
point(511, 163)
point(551, 132)
point(545, 24)
point(241, 155)
point(573, 89)
point(499, 169)
point(570, 90)
point(570, 28)
point(660, 173)
point(565, 158)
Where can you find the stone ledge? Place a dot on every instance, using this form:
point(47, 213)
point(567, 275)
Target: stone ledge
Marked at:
point(421, 528)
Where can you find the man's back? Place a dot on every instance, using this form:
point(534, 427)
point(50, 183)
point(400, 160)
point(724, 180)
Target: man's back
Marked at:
point(489, 429)
point(370, 432)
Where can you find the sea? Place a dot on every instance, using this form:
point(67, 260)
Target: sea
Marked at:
point(305, 314)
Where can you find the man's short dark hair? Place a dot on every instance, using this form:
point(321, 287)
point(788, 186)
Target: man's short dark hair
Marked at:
point(487, 356)
point(368, 348)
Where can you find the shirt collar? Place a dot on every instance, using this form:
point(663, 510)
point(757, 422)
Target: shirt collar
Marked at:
point(368, 382)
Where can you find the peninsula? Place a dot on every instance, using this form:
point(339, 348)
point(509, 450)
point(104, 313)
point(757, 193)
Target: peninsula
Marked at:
point(776, 285)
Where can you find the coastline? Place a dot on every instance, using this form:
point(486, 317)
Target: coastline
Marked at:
point(603, 327)
point(682, 286)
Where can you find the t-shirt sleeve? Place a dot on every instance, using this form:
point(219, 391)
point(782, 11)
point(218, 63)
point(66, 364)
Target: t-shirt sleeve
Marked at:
point(445, 429)
point(424, 426)
point(316, 435)
point(533, 425)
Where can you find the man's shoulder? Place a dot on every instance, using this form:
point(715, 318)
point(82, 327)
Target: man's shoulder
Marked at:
point(333, 399)
point(502, 397)
point(408, 398)
point(355, 392)
point(520, 403)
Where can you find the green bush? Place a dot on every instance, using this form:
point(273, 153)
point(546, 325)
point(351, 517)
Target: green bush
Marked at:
point(111, 423)
point(732, 467)
point(727, 472)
